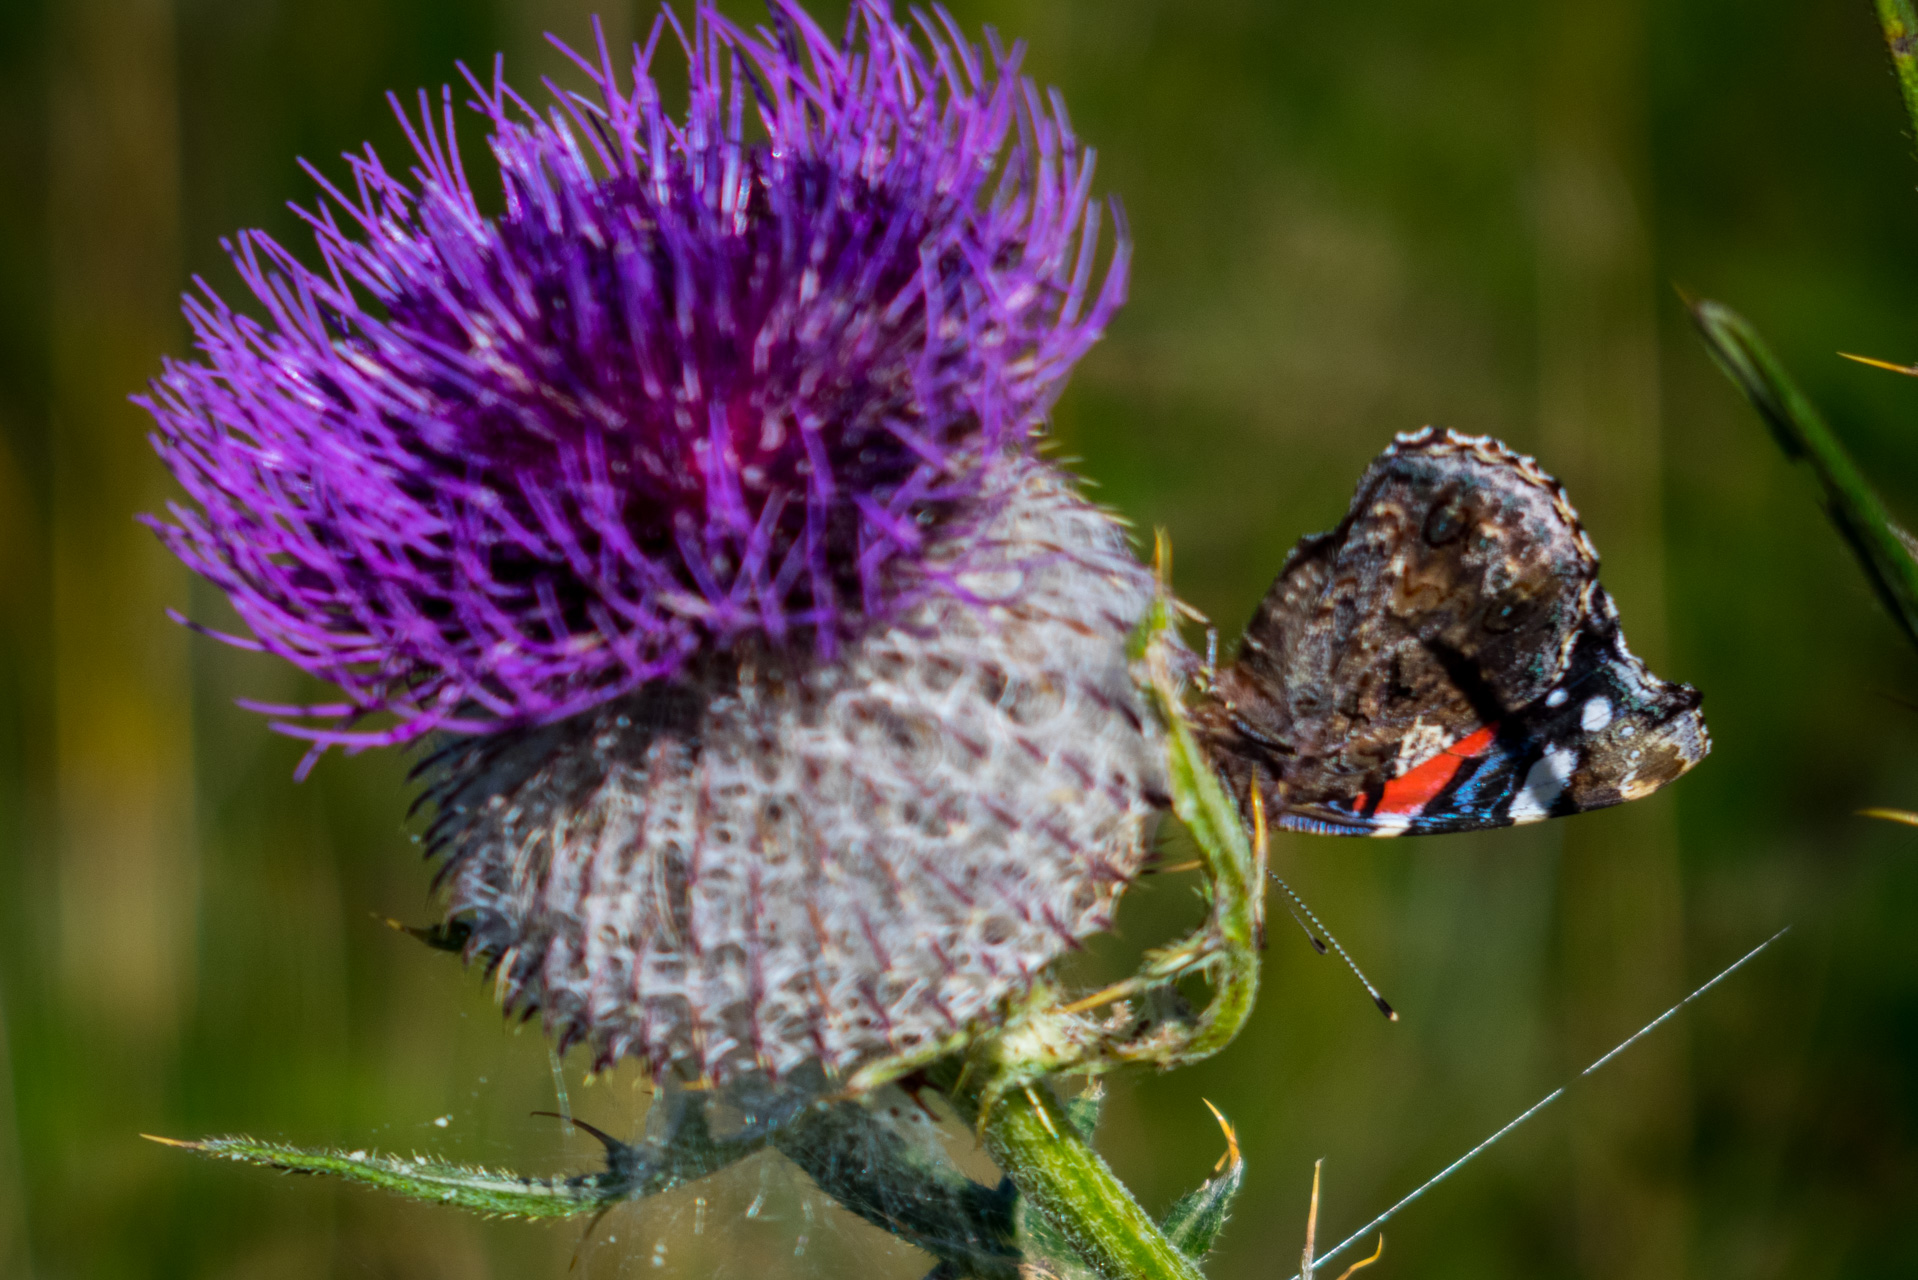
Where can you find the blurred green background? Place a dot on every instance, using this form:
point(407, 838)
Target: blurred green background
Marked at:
point(1350, 220)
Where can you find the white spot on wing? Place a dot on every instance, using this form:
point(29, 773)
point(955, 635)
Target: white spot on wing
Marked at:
point(1422, 741)
point(1595, 714)
point(1543, 785)
point(1556, 698)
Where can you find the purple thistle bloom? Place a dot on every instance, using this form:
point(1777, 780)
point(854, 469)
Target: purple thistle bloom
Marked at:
point(696, 494)
point(690, 387)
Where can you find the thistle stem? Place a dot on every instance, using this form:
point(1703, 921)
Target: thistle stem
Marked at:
point(1900, 24)
point(1030, 1137)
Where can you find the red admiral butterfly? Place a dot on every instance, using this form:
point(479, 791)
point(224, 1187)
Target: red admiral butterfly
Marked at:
point(1444, 660)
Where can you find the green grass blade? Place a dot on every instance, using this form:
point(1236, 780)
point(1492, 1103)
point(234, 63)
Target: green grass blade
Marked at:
point(1883, 549)
point(1900, 25)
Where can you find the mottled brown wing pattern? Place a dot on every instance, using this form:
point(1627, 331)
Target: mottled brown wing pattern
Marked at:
point(1444, 660)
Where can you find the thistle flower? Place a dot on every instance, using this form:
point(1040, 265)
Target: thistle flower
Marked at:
point(694, 497)
point(686, 389)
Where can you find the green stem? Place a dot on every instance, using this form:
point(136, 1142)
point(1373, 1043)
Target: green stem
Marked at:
point(1030, 1136)
point(1901, 37)
point(1236, 873)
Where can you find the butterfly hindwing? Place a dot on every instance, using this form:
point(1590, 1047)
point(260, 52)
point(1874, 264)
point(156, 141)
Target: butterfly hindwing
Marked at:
point(1445, 660)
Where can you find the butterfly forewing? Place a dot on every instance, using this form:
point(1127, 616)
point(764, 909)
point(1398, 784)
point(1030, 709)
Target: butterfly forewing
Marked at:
point(1445, 660)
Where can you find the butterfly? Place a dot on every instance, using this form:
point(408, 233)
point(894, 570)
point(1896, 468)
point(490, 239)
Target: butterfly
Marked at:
point(1444, 660)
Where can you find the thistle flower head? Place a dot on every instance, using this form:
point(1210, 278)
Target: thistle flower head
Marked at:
point(694, 495)
point(767, 863)
point(702, 381)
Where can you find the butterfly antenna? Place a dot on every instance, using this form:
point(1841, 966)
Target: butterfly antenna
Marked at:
point(1323, 938)
point(1544, 1102)
point(559, 1088)
point(1292, 906)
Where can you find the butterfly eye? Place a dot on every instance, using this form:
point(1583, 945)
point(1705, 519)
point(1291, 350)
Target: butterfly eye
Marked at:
point(1509, 612)
point(1446, 522)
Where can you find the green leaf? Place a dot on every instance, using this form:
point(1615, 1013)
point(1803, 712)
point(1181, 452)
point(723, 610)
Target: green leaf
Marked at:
point(1194, 1222)
point(901, 1180)
point(1884, 550)
point(1085, 1109)
point(487, 1191)
point(687, 1151)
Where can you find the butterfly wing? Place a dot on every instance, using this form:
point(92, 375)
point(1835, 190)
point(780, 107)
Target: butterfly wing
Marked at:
point(1445, 660)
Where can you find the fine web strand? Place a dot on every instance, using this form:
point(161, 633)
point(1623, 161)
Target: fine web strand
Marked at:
point(1545, 1101)
point(766, 1209)
point(562, 1103)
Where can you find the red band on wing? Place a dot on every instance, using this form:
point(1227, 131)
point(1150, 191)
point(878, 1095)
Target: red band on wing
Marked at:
point(1412, 791)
